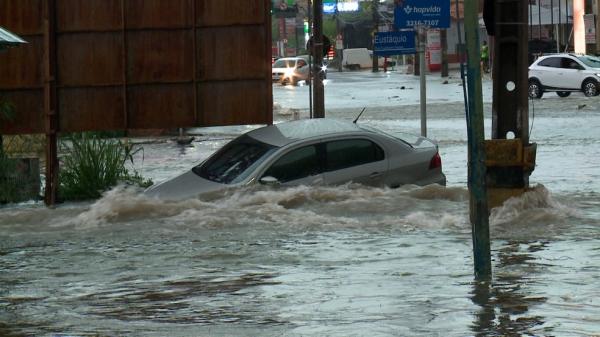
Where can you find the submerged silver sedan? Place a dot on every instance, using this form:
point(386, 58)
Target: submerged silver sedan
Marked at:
point(309, 152)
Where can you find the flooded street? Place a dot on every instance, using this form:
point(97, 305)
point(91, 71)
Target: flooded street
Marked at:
point(322, 261)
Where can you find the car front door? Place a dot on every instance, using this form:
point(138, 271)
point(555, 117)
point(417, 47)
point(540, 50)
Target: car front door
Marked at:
point(358, 160)
point(300, 166)
point(571, 73)
point(549, 72)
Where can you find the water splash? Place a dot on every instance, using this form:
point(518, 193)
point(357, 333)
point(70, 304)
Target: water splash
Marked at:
point(534, 214)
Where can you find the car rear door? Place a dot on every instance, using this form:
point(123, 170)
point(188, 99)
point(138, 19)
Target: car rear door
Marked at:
point(359, 160)
point(549, 71)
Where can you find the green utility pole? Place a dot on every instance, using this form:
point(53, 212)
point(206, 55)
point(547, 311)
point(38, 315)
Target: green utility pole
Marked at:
point(422, 79)
point(479, 213)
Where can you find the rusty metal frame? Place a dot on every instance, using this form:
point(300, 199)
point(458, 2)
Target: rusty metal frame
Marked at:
point(117, 93)
point(50, 103)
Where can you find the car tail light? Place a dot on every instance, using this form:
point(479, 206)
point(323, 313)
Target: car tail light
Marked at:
point(436, 161)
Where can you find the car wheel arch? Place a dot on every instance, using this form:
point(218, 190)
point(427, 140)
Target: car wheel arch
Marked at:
point(590, 80)
point(540, 89)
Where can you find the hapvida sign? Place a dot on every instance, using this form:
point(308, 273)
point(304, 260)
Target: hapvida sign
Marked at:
point(428, 13)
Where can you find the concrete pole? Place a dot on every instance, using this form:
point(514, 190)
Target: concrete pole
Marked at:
point(579, 26)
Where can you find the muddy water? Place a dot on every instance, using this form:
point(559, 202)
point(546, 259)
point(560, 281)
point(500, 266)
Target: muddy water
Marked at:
point(318, 261)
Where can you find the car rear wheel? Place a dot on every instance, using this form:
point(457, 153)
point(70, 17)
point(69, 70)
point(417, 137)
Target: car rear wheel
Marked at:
point(590, 88)
point(535, 89)
point(563, 93)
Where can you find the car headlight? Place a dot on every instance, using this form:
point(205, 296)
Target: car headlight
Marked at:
point(289, 72)
point(324, 67)
point(597, 74)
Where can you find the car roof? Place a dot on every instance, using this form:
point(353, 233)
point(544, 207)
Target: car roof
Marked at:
point(285, 133)
point(289, 58)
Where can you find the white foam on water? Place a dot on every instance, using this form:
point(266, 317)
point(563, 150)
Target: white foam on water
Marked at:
point(535, 214)
point(536, 204)
point(349, 205)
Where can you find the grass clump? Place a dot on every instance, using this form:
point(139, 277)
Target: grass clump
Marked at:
point(9, 187)
point(92, 165)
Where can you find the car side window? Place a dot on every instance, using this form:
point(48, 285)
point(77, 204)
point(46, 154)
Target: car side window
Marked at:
point(296, 164)
point(351, 152)
point(568, 63)
point(301, 63)
point(552, 62)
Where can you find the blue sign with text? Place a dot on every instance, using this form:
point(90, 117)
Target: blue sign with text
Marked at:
point(394, 43)
point(427, 13)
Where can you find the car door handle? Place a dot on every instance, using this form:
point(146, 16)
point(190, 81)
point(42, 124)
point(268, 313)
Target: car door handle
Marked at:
point(375, 175)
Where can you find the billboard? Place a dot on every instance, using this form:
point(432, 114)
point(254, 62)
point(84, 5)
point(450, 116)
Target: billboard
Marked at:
point(343, 6)
point(426, 13)
point(136, 64)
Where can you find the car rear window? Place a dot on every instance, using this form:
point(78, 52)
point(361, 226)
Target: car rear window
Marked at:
point(235, 161)
point(351, 152)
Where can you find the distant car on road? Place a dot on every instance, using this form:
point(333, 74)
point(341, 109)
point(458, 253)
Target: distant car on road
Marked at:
point(309, 152)
point(293, 69)
point(564, 73)
point(362, 58)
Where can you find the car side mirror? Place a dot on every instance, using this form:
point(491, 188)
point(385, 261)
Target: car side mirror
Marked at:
point(269, 181)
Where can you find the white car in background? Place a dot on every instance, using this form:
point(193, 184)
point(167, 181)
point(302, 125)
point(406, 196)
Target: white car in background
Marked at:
point(293, 69)
point(564, 73)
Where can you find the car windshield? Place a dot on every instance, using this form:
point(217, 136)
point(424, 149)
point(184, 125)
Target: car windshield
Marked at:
point(235, 161)
point(590, 61)
point(284, 64)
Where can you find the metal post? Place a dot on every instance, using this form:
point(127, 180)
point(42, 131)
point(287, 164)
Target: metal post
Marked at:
point(479, 213)
point(50, 103)
point(423, 80)
point(444, 42)
point(375, 64)
point(317, 38)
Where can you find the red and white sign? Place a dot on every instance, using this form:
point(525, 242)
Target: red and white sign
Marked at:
point(590, 28)
point(434, 50)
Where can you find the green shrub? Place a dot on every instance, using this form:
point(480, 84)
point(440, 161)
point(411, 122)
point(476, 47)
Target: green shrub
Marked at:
point(9, 188)
point(91, 165)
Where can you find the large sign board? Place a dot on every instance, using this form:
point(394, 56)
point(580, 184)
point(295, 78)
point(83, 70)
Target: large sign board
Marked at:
point(426, 13)
point(395, 43)
point(136, 64)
